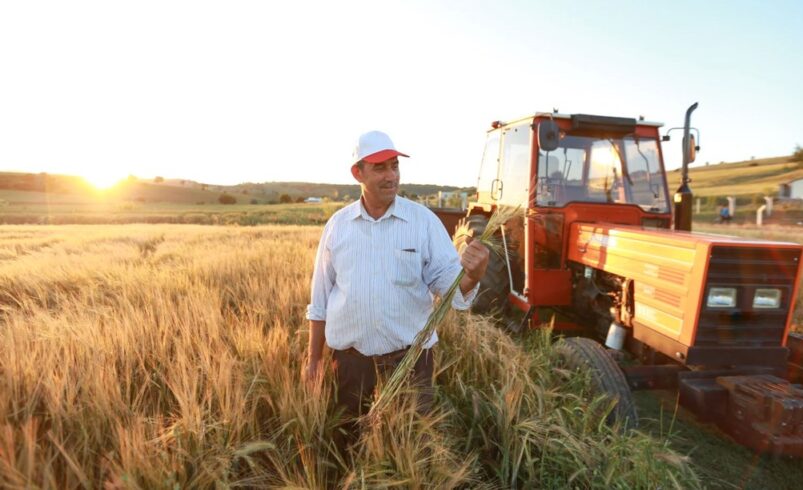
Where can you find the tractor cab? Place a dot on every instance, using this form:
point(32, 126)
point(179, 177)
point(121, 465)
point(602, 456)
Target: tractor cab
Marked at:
point(561, 169)
point(587, 159)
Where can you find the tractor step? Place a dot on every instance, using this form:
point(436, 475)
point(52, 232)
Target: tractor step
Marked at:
point(761, 411)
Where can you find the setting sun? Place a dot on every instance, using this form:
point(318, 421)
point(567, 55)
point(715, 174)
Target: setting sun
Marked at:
point(103, 180)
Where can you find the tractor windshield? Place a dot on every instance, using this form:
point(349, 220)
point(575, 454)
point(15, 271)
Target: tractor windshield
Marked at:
point(615, 170)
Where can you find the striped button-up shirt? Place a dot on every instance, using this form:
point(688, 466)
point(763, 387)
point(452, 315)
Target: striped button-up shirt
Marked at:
point(375, 280)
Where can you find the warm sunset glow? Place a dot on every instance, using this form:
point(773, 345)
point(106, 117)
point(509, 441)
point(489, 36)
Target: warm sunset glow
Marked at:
point(103, 180)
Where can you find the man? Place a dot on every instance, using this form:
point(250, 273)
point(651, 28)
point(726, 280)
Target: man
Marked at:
point(724, 214)
point(380, 262)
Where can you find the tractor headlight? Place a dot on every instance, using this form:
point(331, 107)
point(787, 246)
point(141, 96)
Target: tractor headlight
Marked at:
point(767, 298)
point(721, 298)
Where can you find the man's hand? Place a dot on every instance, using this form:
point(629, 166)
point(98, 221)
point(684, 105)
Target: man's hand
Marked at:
point(312, 373)
point(475, 260)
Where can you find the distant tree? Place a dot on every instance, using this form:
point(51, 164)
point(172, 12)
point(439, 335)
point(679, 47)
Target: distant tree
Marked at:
point(285, 199)
point(204, 187)
point(797, 156)
point(158, 180)
point(227, 199)
point(183, 182)
point(245, 192)
point(254, 201)
point(300, 199)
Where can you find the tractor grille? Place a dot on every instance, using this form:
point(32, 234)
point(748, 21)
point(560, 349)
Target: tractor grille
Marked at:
point(748, 269)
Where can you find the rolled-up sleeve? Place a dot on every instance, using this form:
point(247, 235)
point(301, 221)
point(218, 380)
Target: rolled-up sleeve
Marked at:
point(444, 267)
point(323, 279)
point(460, 302)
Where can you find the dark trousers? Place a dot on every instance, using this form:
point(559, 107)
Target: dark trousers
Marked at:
point(356, 378)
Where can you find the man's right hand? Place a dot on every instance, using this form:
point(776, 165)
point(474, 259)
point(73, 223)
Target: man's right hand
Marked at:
point(312, 373)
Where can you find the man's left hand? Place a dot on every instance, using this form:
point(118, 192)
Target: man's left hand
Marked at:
point(475, 260)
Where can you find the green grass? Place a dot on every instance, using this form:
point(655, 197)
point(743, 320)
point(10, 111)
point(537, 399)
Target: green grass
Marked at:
point(720, 462)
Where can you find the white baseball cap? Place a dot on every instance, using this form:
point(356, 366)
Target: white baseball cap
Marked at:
point(375, 147)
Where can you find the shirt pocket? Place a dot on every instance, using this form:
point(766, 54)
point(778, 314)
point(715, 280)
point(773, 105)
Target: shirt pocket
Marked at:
point(407, 268)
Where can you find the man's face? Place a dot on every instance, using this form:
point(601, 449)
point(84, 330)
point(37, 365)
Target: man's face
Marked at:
point(379, 181)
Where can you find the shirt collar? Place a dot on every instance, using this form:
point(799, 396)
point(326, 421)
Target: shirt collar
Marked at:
point(398, 208)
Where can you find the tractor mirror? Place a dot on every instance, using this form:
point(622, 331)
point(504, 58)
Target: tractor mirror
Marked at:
point(692, 148)
point(548, 135)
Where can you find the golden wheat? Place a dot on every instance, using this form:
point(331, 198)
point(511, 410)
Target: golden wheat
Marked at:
point(154, 356)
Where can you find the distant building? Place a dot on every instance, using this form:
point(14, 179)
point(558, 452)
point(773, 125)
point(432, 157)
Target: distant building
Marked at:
point(791, 190)
point(313, 199)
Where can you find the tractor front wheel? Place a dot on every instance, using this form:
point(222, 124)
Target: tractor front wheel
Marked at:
point(607, 378)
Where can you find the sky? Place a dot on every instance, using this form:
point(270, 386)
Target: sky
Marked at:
point(257, 91)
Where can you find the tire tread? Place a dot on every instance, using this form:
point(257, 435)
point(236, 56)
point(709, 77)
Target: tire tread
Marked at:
point(607, 378)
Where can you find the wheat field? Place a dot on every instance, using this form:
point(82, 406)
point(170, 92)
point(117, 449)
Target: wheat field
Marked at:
point(169, 356)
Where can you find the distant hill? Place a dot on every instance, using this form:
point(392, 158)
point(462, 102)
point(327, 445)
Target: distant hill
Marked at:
point(760, 176)
point(749, 182)
point(16, 187)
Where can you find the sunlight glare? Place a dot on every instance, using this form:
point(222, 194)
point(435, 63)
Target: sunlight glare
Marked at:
point(603, 156)
point(103, 180)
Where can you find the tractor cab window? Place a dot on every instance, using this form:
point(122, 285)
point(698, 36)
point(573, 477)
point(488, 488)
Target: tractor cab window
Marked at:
point(515, 168)
point(560, 177)
point(605, 173)
point(646, 179)
point(612, 170)
point(488, 169)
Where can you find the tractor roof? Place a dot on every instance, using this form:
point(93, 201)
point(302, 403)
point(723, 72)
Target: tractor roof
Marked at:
point(557, 115)
point(569, 116)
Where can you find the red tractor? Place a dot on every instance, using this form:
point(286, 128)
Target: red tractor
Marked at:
point(604, 254)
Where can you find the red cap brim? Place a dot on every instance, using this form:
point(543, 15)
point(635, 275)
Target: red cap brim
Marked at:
point(383, 155)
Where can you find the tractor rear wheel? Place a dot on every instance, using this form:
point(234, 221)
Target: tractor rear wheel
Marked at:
point(495, 285)
point(579, 353)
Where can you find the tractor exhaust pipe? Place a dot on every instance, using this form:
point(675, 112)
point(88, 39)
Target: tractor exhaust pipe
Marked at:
point(683, 196)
